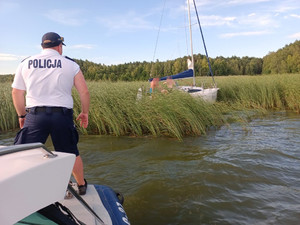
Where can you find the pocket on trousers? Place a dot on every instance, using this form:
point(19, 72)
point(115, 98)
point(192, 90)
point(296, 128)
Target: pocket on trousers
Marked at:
point(21, 136)
point(75, 135)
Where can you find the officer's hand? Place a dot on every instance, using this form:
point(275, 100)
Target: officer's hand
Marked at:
point(21, 122)
point(84, 119)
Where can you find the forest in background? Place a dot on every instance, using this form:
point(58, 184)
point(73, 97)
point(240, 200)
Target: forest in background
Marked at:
point(285, 60)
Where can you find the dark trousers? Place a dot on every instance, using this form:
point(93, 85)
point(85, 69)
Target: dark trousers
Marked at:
point(40, 122)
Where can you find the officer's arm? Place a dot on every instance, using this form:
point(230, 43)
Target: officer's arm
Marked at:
point(19, 101)
point(81, 86)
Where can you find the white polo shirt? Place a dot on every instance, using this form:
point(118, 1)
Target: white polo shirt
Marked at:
point(47, 78)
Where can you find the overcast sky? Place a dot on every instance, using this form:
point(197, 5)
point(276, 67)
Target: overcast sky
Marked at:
point(115, 31)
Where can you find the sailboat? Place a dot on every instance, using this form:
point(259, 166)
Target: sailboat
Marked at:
point(207, 94)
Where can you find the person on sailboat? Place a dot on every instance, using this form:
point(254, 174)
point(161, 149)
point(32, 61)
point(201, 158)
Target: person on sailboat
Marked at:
point(47, 80)
point(170, 82)
point(154, 85)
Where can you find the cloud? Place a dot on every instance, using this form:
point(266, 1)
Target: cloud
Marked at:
point(295, 36)
point(243, 2)
point(125, 22)
point(295, 16)
point(214, 20)
point(284, 8)
point(218, 3)
point(236, 18)
point(251, 20)
point(9, 57)
point(249, 33)
point(252, 14)
point(67, 17)
point(81, 46)
point(255, 20)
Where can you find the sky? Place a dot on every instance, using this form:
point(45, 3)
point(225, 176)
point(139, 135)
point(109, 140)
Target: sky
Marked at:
point(117, 31)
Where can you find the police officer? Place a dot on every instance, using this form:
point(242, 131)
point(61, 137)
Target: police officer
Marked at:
point(47, 79)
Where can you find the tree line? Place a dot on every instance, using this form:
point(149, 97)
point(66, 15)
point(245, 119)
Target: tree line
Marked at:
point(285, 60)
point(136, 71)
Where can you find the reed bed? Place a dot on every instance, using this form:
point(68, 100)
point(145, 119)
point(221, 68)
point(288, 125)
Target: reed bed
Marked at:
point(115, 109)
point(8, 116)
point(276, 92)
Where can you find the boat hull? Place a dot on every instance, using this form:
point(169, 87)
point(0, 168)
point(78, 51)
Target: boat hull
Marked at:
point(30, 182)
point(105, 203)
point(207, 94)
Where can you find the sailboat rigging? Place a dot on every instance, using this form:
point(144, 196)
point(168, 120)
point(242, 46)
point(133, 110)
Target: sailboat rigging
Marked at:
point(208, 94)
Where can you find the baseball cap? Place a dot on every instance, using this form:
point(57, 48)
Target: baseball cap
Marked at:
point(51, 39)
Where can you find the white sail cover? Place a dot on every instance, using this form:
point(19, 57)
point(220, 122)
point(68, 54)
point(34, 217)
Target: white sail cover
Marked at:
point(190, 64)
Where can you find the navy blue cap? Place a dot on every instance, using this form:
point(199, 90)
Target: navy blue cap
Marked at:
point(51, 39)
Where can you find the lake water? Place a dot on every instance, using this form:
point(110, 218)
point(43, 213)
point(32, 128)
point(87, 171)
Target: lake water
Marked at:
point(233, 175)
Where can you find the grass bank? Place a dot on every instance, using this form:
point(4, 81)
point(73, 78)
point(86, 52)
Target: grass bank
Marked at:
point(8, 116)
point(276, 92)
point(115, 110)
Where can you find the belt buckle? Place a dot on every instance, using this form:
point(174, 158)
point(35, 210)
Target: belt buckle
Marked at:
point(31, 110)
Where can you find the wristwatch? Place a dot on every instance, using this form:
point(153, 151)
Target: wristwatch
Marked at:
point(22, 116)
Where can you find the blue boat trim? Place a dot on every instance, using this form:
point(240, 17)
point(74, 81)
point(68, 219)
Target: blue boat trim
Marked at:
point(112, 204)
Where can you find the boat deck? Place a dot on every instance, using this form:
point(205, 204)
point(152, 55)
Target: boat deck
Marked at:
point(93, 200)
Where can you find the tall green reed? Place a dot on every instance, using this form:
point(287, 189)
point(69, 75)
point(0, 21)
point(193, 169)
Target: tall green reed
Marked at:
point(115, 109)
point(261, 92)
point(8, 116)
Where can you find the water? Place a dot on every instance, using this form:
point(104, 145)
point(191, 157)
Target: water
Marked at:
point(234, 175)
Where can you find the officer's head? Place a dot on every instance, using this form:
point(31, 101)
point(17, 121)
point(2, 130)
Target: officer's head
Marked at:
point(51, 39)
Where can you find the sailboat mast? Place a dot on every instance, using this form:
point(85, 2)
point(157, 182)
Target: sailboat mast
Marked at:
point(191, 40)
point(210, 69)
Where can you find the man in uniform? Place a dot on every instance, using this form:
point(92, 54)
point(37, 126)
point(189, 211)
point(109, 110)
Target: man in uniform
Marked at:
point(47, 79)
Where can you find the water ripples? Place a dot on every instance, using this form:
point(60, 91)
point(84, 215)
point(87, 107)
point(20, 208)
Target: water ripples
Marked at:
point(241, 174)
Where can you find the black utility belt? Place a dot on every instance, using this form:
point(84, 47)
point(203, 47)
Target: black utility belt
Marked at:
point(48, 109)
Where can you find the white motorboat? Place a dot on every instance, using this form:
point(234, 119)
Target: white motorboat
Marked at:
point(34, 181)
